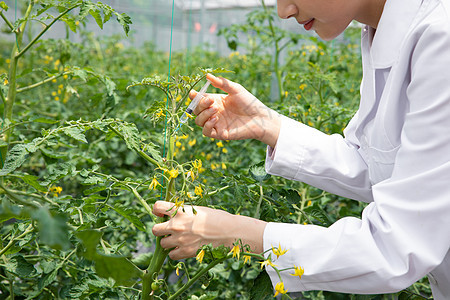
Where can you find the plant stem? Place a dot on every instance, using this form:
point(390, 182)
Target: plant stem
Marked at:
point(10, 25)
point(261, 195)
point(153, 269)
point(197, 276)
point(12, 74)
point(276, 60)
point(47, 27)
point(26, 88)
point(18, 199)
point(29, 229)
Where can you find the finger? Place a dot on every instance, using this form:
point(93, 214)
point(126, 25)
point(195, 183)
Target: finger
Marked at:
point(161, 229)
point(205, 115)
point(208, 127)
point(168, 242)
point(203, 104)
point(224, 84)
point(182, 253)
point(163, 208)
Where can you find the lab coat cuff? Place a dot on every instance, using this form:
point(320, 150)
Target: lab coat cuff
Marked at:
point(279, 235)
point(287, 158)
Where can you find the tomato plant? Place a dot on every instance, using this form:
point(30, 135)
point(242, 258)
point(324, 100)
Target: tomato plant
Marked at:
point(88, 146)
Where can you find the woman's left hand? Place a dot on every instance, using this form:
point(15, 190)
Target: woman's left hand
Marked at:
point(186, 232)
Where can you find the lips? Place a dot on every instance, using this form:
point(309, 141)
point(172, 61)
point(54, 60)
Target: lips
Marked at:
point(307, 24)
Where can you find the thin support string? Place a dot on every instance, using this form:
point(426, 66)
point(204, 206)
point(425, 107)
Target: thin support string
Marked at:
point(168, 80)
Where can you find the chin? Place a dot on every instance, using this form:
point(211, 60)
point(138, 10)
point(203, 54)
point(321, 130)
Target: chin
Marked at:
point(328, 36)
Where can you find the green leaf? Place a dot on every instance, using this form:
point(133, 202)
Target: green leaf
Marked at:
point(16, 157)
point(45, 120)
point(20, 267)
point(123, 271)
point(97, 17)
point(130, 215)
point(70, 22)
point(9, 211)
point(258, 172)
point(76, 133)
point(130, 134)
point(53, 230)
point(125, 21)
point(262, 288)
point(33, 181)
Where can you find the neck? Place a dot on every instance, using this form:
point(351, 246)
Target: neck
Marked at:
point(370, 12)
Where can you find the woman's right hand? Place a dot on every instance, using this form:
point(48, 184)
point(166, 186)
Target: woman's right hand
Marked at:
point(236, 115)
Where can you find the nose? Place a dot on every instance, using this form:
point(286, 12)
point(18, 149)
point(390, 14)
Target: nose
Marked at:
point(286, 10)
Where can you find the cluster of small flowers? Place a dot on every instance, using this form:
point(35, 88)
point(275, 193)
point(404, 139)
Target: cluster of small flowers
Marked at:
point(236, 251)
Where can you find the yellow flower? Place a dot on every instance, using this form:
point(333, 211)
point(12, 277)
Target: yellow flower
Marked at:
point(56, 190)
point(198, 191)
point(302, 86)
point(267, 262)
point(236, 251)
point(177, 271)
point(247, 259)
point(200, 256)
point(192, 142)
point(5, 82)
point(54, 93)
point(178, 203)
point(298, 271)
point(56, 98)
point(178, 144)
point(77, 23)
point(224, 166)
point(225, 150)
point(173, 173)
point(309, 203)
point(197, 164)
point(278, 252)
point(153, 184)
point(208, 156)
point(191, 174)
point(219, 144)
point(279, 289)
point(159, 113)
point(65, 76)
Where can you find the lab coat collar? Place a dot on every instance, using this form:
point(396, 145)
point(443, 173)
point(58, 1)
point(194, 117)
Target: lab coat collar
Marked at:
point(393, 27)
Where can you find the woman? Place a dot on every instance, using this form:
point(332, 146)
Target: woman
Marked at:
point(395, 155)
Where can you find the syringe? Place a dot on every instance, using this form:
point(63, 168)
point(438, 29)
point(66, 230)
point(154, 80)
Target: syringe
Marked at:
point(190, 109)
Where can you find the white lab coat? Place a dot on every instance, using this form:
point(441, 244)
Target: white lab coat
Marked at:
point(395, 155)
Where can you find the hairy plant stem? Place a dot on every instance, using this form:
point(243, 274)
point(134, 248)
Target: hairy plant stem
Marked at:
point(11, 242)
point(276, 59)
point(261, 197)
point(10, 25)
point(197, 276)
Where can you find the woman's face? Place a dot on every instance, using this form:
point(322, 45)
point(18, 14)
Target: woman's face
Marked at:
point(328, 18)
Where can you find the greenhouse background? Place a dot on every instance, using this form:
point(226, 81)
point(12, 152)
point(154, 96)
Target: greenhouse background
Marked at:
point(196, 22)
point(91, 138)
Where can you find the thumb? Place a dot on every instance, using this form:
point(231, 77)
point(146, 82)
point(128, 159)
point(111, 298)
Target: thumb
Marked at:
point(224, 84)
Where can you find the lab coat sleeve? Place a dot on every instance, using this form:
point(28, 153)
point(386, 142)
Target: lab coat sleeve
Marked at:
point(404, 233)
point(329, 162)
